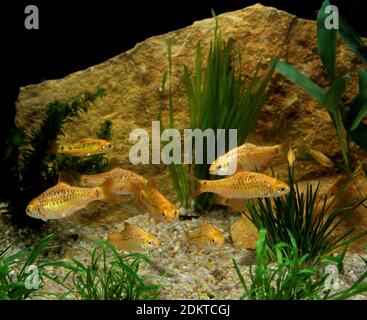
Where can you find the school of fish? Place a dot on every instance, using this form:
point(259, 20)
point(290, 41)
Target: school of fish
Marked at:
point(74, 191)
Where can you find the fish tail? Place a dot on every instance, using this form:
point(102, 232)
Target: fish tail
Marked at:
point(199, 190)
point(71, 178)
point(107, 191)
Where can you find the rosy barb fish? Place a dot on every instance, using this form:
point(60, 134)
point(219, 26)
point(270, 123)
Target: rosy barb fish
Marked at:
point(63, 200)
point(244, 185)
point(247, 157)
point(124, 181)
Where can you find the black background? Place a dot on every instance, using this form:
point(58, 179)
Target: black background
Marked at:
point(74, 35)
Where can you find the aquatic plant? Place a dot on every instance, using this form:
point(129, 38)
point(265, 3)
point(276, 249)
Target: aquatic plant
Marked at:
point(218, 98)
point(28, 174)
point(291, 278)
point(15, 270)
point(108, 275)
point(307, 216)
point(350, 115)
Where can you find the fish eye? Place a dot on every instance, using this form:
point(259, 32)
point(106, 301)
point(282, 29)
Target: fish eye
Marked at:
point(281, 189)
point(109, 145)
point(219, 166)
point(150, 242)
point(213, 240)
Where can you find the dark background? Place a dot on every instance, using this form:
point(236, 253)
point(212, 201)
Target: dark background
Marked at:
point(74, 35)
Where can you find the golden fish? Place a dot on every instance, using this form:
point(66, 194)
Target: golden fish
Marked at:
point(133, 239)
point(244, 185)
point(234, 205)
point(63, 200)
point(247, 157)
point(84, 147)
point(159, 207)
point(124, 181)
point(320, 158)
point(205, 236)
point(244, 233)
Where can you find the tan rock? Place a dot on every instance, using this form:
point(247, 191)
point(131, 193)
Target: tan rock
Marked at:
point(132, 80)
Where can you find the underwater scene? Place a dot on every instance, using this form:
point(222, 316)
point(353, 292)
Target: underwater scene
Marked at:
point(222, 159)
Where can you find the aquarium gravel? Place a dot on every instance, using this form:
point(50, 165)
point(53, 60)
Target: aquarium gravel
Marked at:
point(188, 273)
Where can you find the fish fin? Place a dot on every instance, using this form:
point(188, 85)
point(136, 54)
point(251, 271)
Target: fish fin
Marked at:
point(284, 147)
point(70, 178)
point(107, 188)
point(152, 184)
point(137, 191)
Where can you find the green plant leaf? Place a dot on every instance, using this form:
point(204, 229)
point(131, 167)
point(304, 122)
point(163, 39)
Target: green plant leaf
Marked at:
point(326, 43)
point(352, 39)
point(359, 136)
point(360, 116)
point(358, 108)
point(333, 96)
point(300, 79)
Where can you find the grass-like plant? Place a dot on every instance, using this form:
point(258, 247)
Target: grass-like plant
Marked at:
point(15, 270)
point(351, 115)
point(307, 216)
point(108, 275)
point(290, 278)
point(218, 98)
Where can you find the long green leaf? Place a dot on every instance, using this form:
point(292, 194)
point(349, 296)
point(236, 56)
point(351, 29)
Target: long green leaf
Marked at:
point(326, 43)
point(300, 79)
point(352, 39)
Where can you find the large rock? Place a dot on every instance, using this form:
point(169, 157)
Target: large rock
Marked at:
point(133, 78)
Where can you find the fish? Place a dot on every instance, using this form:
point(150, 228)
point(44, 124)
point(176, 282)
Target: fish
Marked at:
point(205, 236)
point(233, 205)
point(291, 156)
point(320, 158)
point(158, 206)
point(248, 157)
point(244, 233)
point(133, 239)
point(124, 181)
point(83, 148)
point(63, 200)
point(243, 185)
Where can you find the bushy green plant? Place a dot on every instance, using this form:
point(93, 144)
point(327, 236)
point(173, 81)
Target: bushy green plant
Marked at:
point(351, 115)
point(107, 275)
point(307, 216)
point(290, 278)
point(218, 98)
point(14, 270)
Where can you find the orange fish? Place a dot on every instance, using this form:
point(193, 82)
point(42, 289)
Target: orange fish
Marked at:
point(133, 239)
point(124, 181)
point(159, 207)
point(247, 157)
point(244, 233)
point(63, 200)
point(206, 236)
point(244, 185)
point(84, 147)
